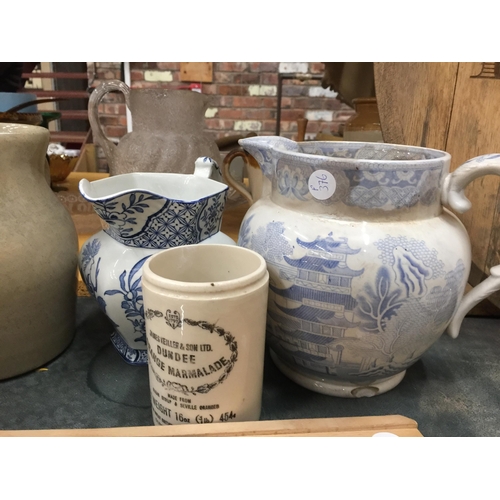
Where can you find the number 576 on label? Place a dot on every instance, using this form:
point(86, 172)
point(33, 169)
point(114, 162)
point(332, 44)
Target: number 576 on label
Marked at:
point(322, 184)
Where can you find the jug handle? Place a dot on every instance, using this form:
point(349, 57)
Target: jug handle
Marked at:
point(453, 195)
point(207, 168)
point(99, 92)
point(226, 169)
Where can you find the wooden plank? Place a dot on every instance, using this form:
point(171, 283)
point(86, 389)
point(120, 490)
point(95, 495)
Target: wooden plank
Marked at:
point(73, 114)
point(415, 102)
point(493, 255)
point(62, 75)
point(86, 163)
point(320, 427)
point(67, 136)
point(453, 107)
point(474, 131)
point(66, 94)
point(196, 72)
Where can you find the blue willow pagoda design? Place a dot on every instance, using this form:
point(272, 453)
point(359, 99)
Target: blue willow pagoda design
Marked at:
point(311, 316)
point(357, 325)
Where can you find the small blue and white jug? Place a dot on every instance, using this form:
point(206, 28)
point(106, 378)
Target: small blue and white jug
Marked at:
point(143, 213)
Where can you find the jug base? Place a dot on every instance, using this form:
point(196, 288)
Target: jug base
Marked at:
point(337, 388)
point(117, 381)
point(138, 357)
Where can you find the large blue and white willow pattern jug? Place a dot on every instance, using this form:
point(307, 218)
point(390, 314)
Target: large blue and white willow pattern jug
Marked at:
point(367, 266)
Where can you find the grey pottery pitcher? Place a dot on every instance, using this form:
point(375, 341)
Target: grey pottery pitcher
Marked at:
point(168, 130)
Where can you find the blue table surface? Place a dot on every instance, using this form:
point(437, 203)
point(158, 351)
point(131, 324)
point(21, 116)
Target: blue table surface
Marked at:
point(454, 390)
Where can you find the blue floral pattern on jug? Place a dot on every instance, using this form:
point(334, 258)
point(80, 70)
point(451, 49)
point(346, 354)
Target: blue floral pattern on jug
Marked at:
point(293, 181)
point(89, 269)
point(164, 223)
point(317, 322)
point(483, 158)
point(386, 186)
point(393, 189)
point(386, 189)
point(131, 303)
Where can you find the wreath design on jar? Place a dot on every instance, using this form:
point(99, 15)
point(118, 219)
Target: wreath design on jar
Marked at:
point(173, 319)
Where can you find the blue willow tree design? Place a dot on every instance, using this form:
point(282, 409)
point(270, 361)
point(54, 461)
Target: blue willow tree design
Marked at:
point(132, 302)
point(399, 308)
point(378, 304)
point(245, 236)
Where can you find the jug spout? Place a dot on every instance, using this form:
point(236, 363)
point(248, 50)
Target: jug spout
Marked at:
point(264, 148)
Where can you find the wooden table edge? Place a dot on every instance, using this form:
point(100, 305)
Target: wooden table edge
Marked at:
point(364, 426)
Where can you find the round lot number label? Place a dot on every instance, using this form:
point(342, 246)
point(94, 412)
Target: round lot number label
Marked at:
point(322, 184)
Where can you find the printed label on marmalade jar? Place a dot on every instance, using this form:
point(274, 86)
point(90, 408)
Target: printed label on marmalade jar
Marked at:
point(184, 373)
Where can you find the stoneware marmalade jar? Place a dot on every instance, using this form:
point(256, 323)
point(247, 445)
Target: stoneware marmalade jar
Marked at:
point(143, 213)
point(367, 268)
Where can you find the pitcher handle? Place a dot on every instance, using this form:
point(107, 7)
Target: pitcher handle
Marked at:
point(453, 195)
point(99, 92)
point(226, 169)
point(207, 168)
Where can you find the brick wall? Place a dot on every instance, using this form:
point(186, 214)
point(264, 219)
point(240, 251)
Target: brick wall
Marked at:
point(243, 97)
